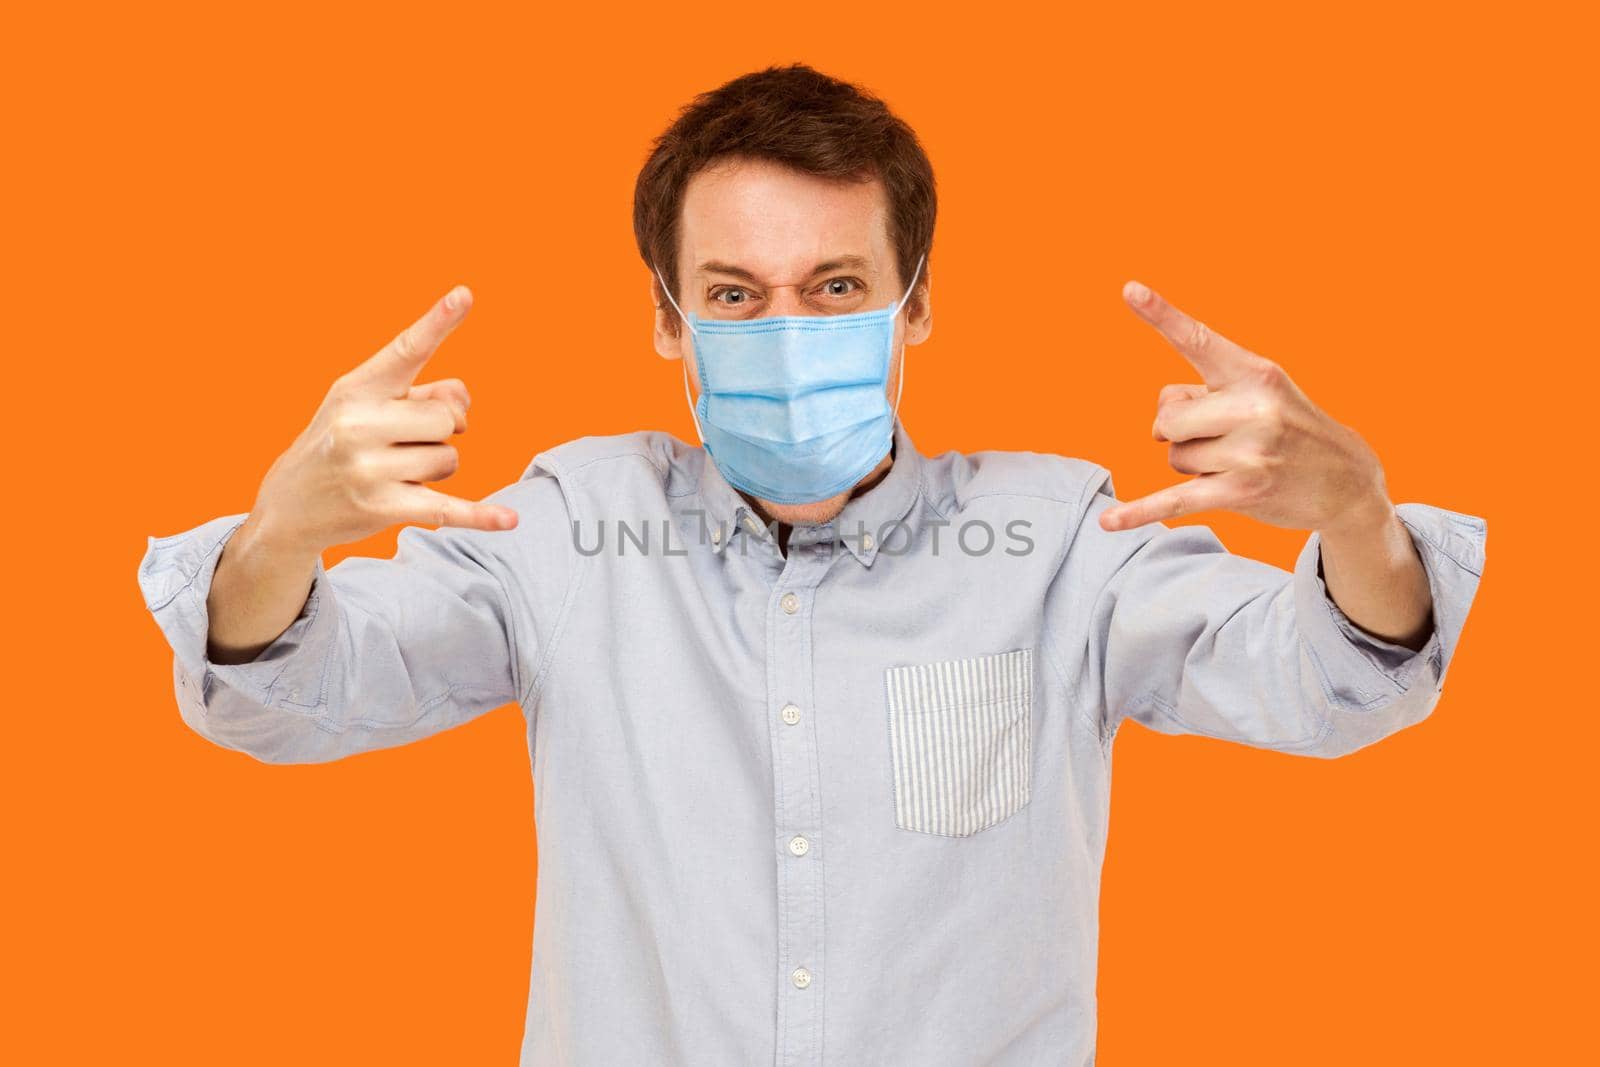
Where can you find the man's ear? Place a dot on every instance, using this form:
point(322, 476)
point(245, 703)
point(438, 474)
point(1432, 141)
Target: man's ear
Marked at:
point(919, 312)
point(668, 329)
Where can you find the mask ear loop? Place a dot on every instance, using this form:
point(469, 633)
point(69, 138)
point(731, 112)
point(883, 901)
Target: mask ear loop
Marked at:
point(686, 394)
point(900, 388)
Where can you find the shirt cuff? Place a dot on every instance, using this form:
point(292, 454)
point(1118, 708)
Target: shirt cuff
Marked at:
point(175, 578)
point(1362, 671)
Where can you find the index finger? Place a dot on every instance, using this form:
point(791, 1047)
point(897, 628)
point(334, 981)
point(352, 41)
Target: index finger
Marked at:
point(1217, 359)
point(394, 366)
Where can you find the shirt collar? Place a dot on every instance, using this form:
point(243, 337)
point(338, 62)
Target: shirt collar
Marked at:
point(864, 523)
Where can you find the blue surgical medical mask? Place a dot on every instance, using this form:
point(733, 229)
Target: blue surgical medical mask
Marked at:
point(793, 408)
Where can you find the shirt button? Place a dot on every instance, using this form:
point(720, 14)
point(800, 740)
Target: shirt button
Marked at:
point(799, 845)
point(752, 524)
point(791, 714)
point(800, 977)
point(790, 603)
point(866, 542)
point(716, 534)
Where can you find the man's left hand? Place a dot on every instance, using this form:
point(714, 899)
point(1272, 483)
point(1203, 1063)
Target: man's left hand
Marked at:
point(1256, 444)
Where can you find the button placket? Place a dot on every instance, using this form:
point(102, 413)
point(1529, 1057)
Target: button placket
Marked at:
point(797, 814)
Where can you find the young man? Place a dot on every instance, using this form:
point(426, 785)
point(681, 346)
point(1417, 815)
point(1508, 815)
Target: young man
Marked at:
point(821, 727)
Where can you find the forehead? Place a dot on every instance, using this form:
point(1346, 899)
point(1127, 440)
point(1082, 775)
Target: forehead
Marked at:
point(780, 222)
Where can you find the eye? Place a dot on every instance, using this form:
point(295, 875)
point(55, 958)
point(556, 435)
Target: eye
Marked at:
point(736, 296)
point(840, 286)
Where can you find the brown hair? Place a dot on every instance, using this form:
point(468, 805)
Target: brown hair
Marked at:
point(801, 118)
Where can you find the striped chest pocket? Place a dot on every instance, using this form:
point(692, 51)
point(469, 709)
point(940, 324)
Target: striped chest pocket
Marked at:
point(961, 741)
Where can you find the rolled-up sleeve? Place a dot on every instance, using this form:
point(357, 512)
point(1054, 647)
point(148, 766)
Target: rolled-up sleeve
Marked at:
point(1363, 670)
point(1186, 637)
point(384, 651)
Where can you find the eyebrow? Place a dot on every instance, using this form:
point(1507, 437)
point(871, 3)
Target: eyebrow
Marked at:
point(837, 263)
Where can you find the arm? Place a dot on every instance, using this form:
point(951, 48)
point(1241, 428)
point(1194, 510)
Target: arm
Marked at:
point(1185, 637)
point(383, 651)
point(257, 590)
point(1376, 576)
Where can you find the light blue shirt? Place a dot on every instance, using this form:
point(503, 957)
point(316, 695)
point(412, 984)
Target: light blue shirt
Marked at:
point(847, 805)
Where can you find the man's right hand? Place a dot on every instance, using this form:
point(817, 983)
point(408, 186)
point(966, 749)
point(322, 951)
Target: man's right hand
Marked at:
point(359, 467)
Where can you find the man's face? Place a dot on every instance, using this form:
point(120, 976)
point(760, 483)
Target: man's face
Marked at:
point(758, 239)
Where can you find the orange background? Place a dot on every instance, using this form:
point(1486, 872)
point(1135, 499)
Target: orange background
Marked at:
point(213, 214)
